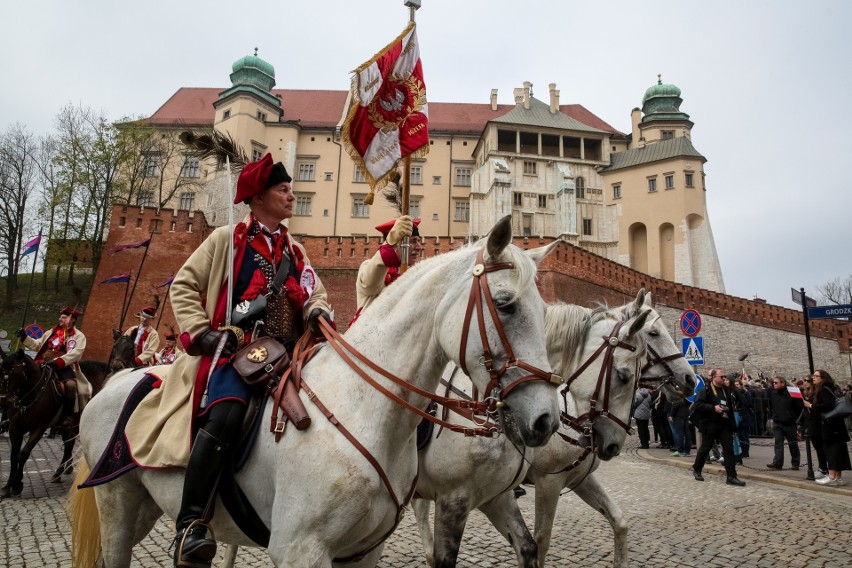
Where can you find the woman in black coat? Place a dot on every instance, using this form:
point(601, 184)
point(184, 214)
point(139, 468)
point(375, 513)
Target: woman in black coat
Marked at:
point(834, 434)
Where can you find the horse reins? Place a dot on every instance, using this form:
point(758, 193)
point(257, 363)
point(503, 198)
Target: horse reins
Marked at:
point(656, 359)
point(19, 401)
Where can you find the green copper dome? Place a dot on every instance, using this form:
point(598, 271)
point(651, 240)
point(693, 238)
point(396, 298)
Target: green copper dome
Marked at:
point(253, 75)
point(252, 70)
point(662, 102)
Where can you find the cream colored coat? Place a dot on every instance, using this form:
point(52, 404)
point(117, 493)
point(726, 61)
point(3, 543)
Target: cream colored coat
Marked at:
point(150, 347)
point(159, 430)
point(71, 359)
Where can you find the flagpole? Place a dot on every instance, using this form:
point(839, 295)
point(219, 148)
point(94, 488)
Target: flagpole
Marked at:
point(30, 287)
point(135, 282)
point(124, 303)
point(406, 194)
point(165, 303)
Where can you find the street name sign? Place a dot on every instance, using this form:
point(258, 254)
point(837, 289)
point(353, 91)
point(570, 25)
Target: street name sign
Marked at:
point(827, 312)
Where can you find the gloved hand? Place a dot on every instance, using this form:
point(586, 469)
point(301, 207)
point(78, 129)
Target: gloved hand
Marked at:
point(401, 228)
point(313, 323)
point(208, 342)
point(20, 333)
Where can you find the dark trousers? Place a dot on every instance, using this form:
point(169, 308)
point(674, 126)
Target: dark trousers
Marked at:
point(785, 432)
point(743, 431)
point(709, 435)
point(816, 442)
point(644, 433)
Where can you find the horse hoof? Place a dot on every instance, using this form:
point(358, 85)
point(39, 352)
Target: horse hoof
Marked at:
point(69, 470)
point(5, 492)
point(16, 490)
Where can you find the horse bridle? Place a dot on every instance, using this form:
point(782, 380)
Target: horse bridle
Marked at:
point(654, 360)
point(16, 401)
point(583, 423)
point(478, 290)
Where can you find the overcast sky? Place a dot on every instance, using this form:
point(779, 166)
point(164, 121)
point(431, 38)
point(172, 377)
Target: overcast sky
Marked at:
point(767, 84)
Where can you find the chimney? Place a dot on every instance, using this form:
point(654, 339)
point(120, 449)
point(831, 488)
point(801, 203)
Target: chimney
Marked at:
point(554, 99)
point(493, 99)
point(519, 96)
point(635, 118)
point(527, 89)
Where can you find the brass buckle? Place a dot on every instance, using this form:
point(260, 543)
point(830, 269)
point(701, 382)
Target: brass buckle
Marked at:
point(280, 426)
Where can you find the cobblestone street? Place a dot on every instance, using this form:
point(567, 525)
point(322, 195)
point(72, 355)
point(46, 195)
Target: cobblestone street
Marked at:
point(670, 517)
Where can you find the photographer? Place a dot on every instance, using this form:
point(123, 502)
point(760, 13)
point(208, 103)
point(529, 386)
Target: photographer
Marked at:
point(716, 421)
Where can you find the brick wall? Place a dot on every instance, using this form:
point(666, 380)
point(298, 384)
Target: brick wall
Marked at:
point(773, 335)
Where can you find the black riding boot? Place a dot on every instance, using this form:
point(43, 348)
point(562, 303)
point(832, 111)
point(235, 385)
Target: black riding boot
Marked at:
point(66, 421)
point(192, 547)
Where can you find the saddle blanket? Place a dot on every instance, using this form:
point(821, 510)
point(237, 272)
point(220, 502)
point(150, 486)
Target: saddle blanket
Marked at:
point(117, 459)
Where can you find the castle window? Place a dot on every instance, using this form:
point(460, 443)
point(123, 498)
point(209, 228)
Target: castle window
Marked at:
point(462, 212)
point(226, 114)
point(190, 167)
point(542, 201)
point(303, 205)
point(517, 198)
point(616, 192)
point(261, 116)
point(150, 165)
point(688, 180)
point(414, 207)
point(256, 153)
point(667, 134)
point(306, 172)
point(359, 208)
point(587, 226)
point(329, 176)
point(187, 201)
point(669, 181)
point(417, 175)
point(529, 168)
point(463, 176)
point(436, 180)
point(652, 185)
point(359, 176)
point(145, 199)
point(580, 185)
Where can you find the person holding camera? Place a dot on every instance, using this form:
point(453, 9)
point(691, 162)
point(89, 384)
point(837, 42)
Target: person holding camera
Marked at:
point(714, 405)
point(785, 412)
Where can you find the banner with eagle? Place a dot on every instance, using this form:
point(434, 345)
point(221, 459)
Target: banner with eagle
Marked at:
point(388, 117)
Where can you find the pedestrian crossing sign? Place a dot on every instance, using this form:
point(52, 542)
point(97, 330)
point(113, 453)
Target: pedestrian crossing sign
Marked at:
point(693, 350)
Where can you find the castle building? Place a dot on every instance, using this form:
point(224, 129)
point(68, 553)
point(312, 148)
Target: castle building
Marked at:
point(638, 199)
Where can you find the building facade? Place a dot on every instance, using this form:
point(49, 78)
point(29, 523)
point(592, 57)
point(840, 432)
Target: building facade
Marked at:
point(638, 199)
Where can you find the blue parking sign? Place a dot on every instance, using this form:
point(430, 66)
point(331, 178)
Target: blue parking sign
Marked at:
point(693, 349)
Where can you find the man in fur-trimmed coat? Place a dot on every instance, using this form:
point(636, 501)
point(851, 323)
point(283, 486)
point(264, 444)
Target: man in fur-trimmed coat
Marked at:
point(159, 430)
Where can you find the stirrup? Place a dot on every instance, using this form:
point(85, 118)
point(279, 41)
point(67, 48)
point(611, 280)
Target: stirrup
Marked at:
point(181, 538)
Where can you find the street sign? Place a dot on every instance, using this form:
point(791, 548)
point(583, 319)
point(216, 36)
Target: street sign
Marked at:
point(34, 331)
point(690, 323)
point(693, 350)
point(797, 297)
point(826, 312)
point(698, 386)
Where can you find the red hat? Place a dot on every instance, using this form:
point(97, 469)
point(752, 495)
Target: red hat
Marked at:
point(147, 312)
point(385, 228)
point(257, 176)
point(69, 311)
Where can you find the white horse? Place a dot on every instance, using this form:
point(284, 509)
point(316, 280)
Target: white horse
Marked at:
point(320, 497)
point(576, 339)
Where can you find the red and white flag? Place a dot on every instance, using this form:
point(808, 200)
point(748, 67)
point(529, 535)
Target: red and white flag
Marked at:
point(794, 392)
point(388, 116)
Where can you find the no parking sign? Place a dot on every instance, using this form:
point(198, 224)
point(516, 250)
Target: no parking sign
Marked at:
point(690, 323)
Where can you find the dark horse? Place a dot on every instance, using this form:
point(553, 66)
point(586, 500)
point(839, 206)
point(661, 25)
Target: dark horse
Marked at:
point(123, 352)
point(33, 402)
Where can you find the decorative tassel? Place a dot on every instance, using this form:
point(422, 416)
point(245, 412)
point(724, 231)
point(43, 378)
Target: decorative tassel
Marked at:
point(368, 199)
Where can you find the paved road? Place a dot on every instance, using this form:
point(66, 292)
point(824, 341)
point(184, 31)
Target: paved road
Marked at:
point(670, 515)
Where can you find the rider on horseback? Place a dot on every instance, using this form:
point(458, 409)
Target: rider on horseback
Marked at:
point(168, 354)
point(61, 349)
point(275, 291)
point(146, 340)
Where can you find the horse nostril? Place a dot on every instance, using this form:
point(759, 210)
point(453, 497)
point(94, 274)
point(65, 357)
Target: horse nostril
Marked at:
point(613, 450)
point(545, 424)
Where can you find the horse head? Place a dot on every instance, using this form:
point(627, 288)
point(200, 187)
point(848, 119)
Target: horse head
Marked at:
point(16, 371)
point(123, 352)
point(600, 352)
point(496, 332)
point(664, 367)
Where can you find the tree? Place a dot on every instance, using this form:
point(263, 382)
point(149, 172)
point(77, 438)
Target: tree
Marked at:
point(837, 291)
point(18, 176)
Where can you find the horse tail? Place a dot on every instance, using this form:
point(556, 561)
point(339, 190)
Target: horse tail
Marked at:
point(85, 521)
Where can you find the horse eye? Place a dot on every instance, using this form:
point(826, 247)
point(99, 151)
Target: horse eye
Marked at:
point(654, 333)
point(503, 304)
point(623, 377)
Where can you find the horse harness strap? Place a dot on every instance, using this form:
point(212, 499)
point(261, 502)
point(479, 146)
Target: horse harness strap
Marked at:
point(21, 403)
point(478, 290)
point(656, 359)
point(610, 343)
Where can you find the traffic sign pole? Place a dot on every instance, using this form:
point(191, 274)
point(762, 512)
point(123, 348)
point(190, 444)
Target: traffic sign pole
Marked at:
point(807, 331)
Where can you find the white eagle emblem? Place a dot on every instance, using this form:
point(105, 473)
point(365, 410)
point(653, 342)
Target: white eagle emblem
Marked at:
point(395, 104)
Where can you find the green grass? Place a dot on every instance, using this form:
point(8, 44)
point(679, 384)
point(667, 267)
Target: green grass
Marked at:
point(45, 304)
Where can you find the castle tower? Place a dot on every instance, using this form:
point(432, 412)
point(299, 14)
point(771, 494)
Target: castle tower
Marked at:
point(657, 193)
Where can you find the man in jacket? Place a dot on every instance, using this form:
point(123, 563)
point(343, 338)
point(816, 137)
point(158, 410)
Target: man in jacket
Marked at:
point(146, 340)
point(785, 412)
point(716, 421)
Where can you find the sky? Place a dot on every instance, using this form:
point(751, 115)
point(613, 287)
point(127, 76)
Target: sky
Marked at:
point(767, 84)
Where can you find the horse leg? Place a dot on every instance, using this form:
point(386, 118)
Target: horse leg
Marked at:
point(547, 490)
point(66, 466)
point(16, 438)
point(128, 513)
point(450, 518)
point(505, 515)
point(594, 495)
point(421, 508)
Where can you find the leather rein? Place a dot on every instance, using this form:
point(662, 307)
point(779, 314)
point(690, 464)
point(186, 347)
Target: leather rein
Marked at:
point(19, 401)
point(488, 406)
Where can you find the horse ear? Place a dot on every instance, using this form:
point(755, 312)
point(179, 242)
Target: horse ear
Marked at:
point(499, 237)
point(537, 254)
point(115, 334)
point(638, 323)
